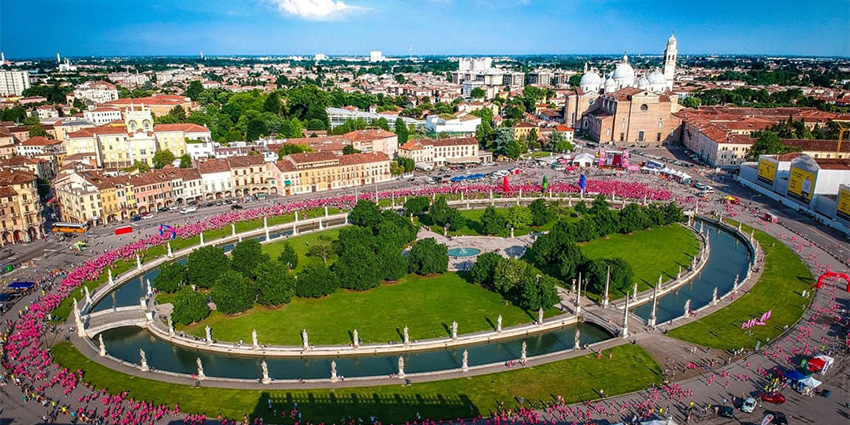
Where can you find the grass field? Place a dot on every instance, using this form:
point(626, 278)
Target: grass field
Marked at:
point(649, 252)
point(427, 305)
point(301, 246)
point(579, 379)
point(779, 289)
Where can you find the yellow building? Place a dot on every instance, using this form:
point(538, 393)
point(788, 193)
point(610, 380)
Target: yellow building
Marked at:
point(20, 209)
point(318, 171)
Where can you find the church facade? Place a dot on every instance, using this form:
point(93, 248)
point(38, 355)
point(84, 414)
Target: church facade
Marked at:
point(627, 107)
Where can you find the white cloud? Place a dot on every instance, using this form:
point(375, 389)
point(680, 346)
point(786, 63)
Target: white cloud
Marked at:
point(315, 10)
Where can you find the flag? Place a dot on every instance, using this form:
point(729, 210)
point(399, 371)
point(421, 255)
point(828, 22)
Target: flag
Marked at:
point(545, 184)
point(582, 183)
point(505, 186)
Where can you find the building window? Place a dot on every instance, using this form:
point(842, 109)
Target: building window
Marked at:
point(644, 107)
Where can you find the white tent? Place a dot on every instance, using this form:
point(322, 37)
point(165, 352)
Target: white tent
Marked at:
point(659, 422)
point(811, 382)
point(583, 160)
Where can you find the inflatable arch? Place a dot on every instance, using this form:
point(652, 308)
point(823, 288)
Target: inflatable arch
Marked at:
point(833, 274)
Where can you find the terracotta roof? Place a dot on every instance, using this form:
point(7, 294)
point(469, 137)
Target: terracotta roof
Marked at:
point(524, 125)
point(457, 141)
point(20, 160)
point(412, 145)
point(6, 191)
point(8, 177)
point(363, 158)
point(564, 128)
point(367, 135)
point(817, 145)
point(308, 157)
point(91, 131)
point(213, 166)
point(184, 127)
point(245, 161)
point(40, 141)
point(833, 164)
point(285, 166)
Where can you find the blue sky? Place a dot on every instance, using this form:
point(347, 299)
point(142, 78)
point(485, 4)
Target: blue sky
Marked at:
point(30, 28)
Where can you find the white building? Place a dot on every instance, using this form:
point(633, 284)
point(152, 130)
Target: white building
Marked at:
point(13, 83)
point(461, 123)
point(103, 115)
point(216, 177)
point(428, 153)
point(96, 92)
point(376, 56)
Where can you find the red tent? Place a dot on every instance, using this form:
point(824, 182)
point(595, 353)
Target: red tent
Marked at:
point(815, 364)
point(505, 185)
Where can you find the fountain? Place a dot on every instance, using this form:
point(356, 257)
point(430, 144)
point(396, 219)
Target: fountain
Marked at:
point(463, 252)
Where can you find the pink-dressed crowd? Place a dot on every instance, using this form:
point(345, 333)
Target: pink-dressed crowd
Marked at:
point(28, 363)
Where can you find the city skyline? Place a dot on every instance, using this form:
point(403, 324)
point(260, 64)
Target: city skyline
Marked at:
point(429, 27)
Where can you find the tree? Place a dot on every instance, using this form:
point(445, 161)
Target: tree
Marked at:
point(632, 218)
point(206, 264)
point(428, 257)
point(512, 149)
point(366, 214)
point(484, 268)
point(291, 148)
point(288, 257)
point(599, 204)
point(316, 281)
point(233, 293)
point(189, 307)
point(162, 158)
point(273, 104)
point(172, 276)
point(691, 102)
point(246, 256)
point(595, 272)
point(518, 216)
point(417, 205)
point(484, 133)
point(478, 93)
point(195, 89)
point(768, 143)
point(393, 265)
point(256, 129)
point(401, 131)
point(275, 286)
point(349, 150)
point(186, 161)
point(36, 130)
point(508, 275)
point(581, 208)
point(540, 212)
point(558, 143)
point(443, 215)
point(321, 248)
point(407, 164)
point(537, 292)
point(492, 221)
point(308, 102)
point(358, 268)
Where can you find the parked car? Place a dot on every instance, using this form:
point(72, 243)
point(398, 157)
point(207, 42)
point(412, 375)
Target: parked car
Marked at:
point(774, 418)
point(188, 210)
point(774, 397)
point(749, 405)
point(236, 207)
point(725, 412)
point(135, 218)
point(162, 209)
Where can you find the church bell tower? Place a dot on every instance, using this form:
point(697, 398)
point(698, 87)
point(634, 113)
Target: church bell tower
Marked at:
point(670, 54)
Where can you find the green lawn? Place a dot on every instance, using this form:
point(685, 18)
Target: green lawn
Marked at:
point(301, 246)
point(427, 305)
point(630, 369)
point(649, 252)
point(779, 289)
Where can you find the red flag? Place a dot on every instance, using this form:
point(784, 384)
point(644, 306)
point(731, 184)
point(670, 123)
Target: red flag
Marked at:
point(505, 185)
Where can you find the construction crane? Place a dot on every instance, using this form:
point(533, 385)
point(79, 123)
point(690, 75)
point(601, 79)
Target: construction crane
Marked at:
point(843, 127)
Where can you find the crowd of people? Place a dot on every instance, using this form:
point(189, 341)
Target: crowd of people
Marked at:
point(28, 364)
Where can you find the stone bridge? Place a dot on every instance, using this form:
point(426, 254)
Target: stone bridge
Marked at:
point(101, 321)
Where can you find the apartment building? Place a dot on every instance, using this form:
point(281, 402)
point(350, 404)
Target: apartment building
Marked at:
point(20, 209)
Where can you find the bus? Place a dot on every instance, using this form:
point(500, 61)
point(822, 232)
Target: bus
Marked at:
point(70, 227)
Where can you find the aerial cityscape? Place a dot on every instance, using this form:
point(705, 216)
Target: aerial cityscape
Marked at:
point(467, 212)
